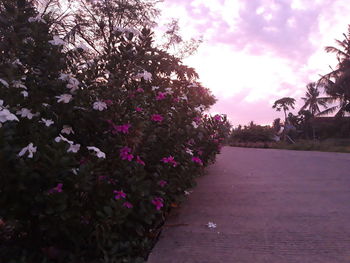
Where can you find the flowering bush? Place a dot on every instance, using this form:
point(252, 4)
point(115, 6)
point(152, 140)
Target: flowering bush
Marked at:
point(94, 144)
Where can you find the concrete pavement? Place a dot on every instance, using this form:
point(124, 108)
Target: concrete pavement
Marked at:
point(268, 206)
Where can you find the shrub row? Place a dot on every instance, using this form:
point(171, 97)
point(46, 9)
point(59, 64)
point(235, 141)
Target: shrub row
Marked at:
point(94, 146)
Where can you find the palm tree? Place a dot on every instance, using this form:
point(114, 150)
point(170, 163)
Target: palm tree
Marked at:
point(313, 101)
point(337, 82)
point(284, 104)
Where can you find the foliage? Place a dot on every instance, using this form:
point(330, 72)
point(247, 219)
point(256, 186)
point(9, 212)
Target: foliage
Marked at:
point(312, 99)
point(284, 104)
point(337, 82)
point(252, 133)
point(96, 140)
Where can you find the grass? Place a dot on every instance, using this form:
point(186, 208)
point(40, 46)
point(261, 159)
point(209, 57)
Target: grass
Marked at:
point(328, 145)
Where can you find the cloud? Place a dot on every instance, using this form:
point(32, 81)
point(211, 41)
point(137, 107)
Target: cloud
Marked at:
point(257, 51)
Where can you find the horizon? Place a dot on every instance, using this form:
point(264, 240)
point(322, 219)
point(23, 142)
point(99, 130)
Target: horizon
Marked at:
point(287, 37)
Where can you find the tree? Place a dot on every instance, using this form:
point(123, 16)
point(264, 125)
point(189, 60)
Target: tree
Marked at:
point(337, 82)
point(312, 101)
point(284, 104)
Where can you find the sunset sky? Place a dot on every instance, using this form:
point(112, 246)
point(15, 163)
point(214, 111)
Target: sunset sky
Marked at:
point(257, 51)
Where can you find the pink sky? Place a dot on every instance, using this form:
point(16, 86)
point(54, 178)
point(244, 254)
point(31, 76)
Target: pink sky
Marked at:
point(257, 51)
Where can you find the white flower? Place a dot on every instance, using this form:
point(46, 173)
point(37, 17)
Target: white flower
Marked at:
point(99, 105)
point(47, 123)
point(187, 192)
point(24, 93)
point(67, 129)
point(65, 98)
point(25, 113)
point(18, 84)
point(6, 115)
point(28, 40)
point(17, 62)
point(169, 91)
point(194, 124)
point(97, 151)
point(155, 88)
point(199, 108)
point(184, 97)
point(73, 84)
point(4, 83)
point(61, 138)
point(74, 148)
point(145, 75)
point(211, 225)
point(126, 30)
point(83, 47)
point(30, 149)
point(36, 19)
point(189, 151)
point(57, 41)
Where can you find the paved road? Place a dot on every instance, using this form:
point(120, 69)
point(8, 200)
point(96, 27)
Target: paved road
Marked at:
point(269, 206)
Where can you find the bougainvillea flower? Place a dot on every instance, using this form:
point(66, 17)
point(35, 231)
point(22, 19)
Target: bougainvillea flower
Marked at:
point(125, 154)
point(123, 128)
point(138, 160)
point(119, 194)
point(160, 96)
point(197, 160)
point(162, 183)
point(158, 202)
point(138, 109)
point(157, 117)
point(176, 100)
point(30, 149)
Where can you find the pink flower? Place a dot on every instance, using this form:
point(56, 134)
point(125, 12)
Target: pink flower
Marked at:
point(158, 202)
point(57, 189)
point(140, 90)
point(197, 160)
point(162, 183)
point(125, 154)
point(119, 194)
point(157, 117)
point(108, 102)
point(128, 205)
point(138, 160)
point(123, 128)
point(161, 96)
point(197, 120)
point(176, 100)
point(170, 160)
point(138, 109)
point(217, 117)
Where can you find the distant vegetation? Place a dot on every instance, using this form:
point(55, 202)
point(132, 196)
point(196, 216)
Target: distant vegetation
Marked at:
point(324, 115)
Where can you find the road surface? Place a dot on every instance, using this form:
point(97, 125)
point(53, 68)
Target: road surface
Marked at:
point(268, 206)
